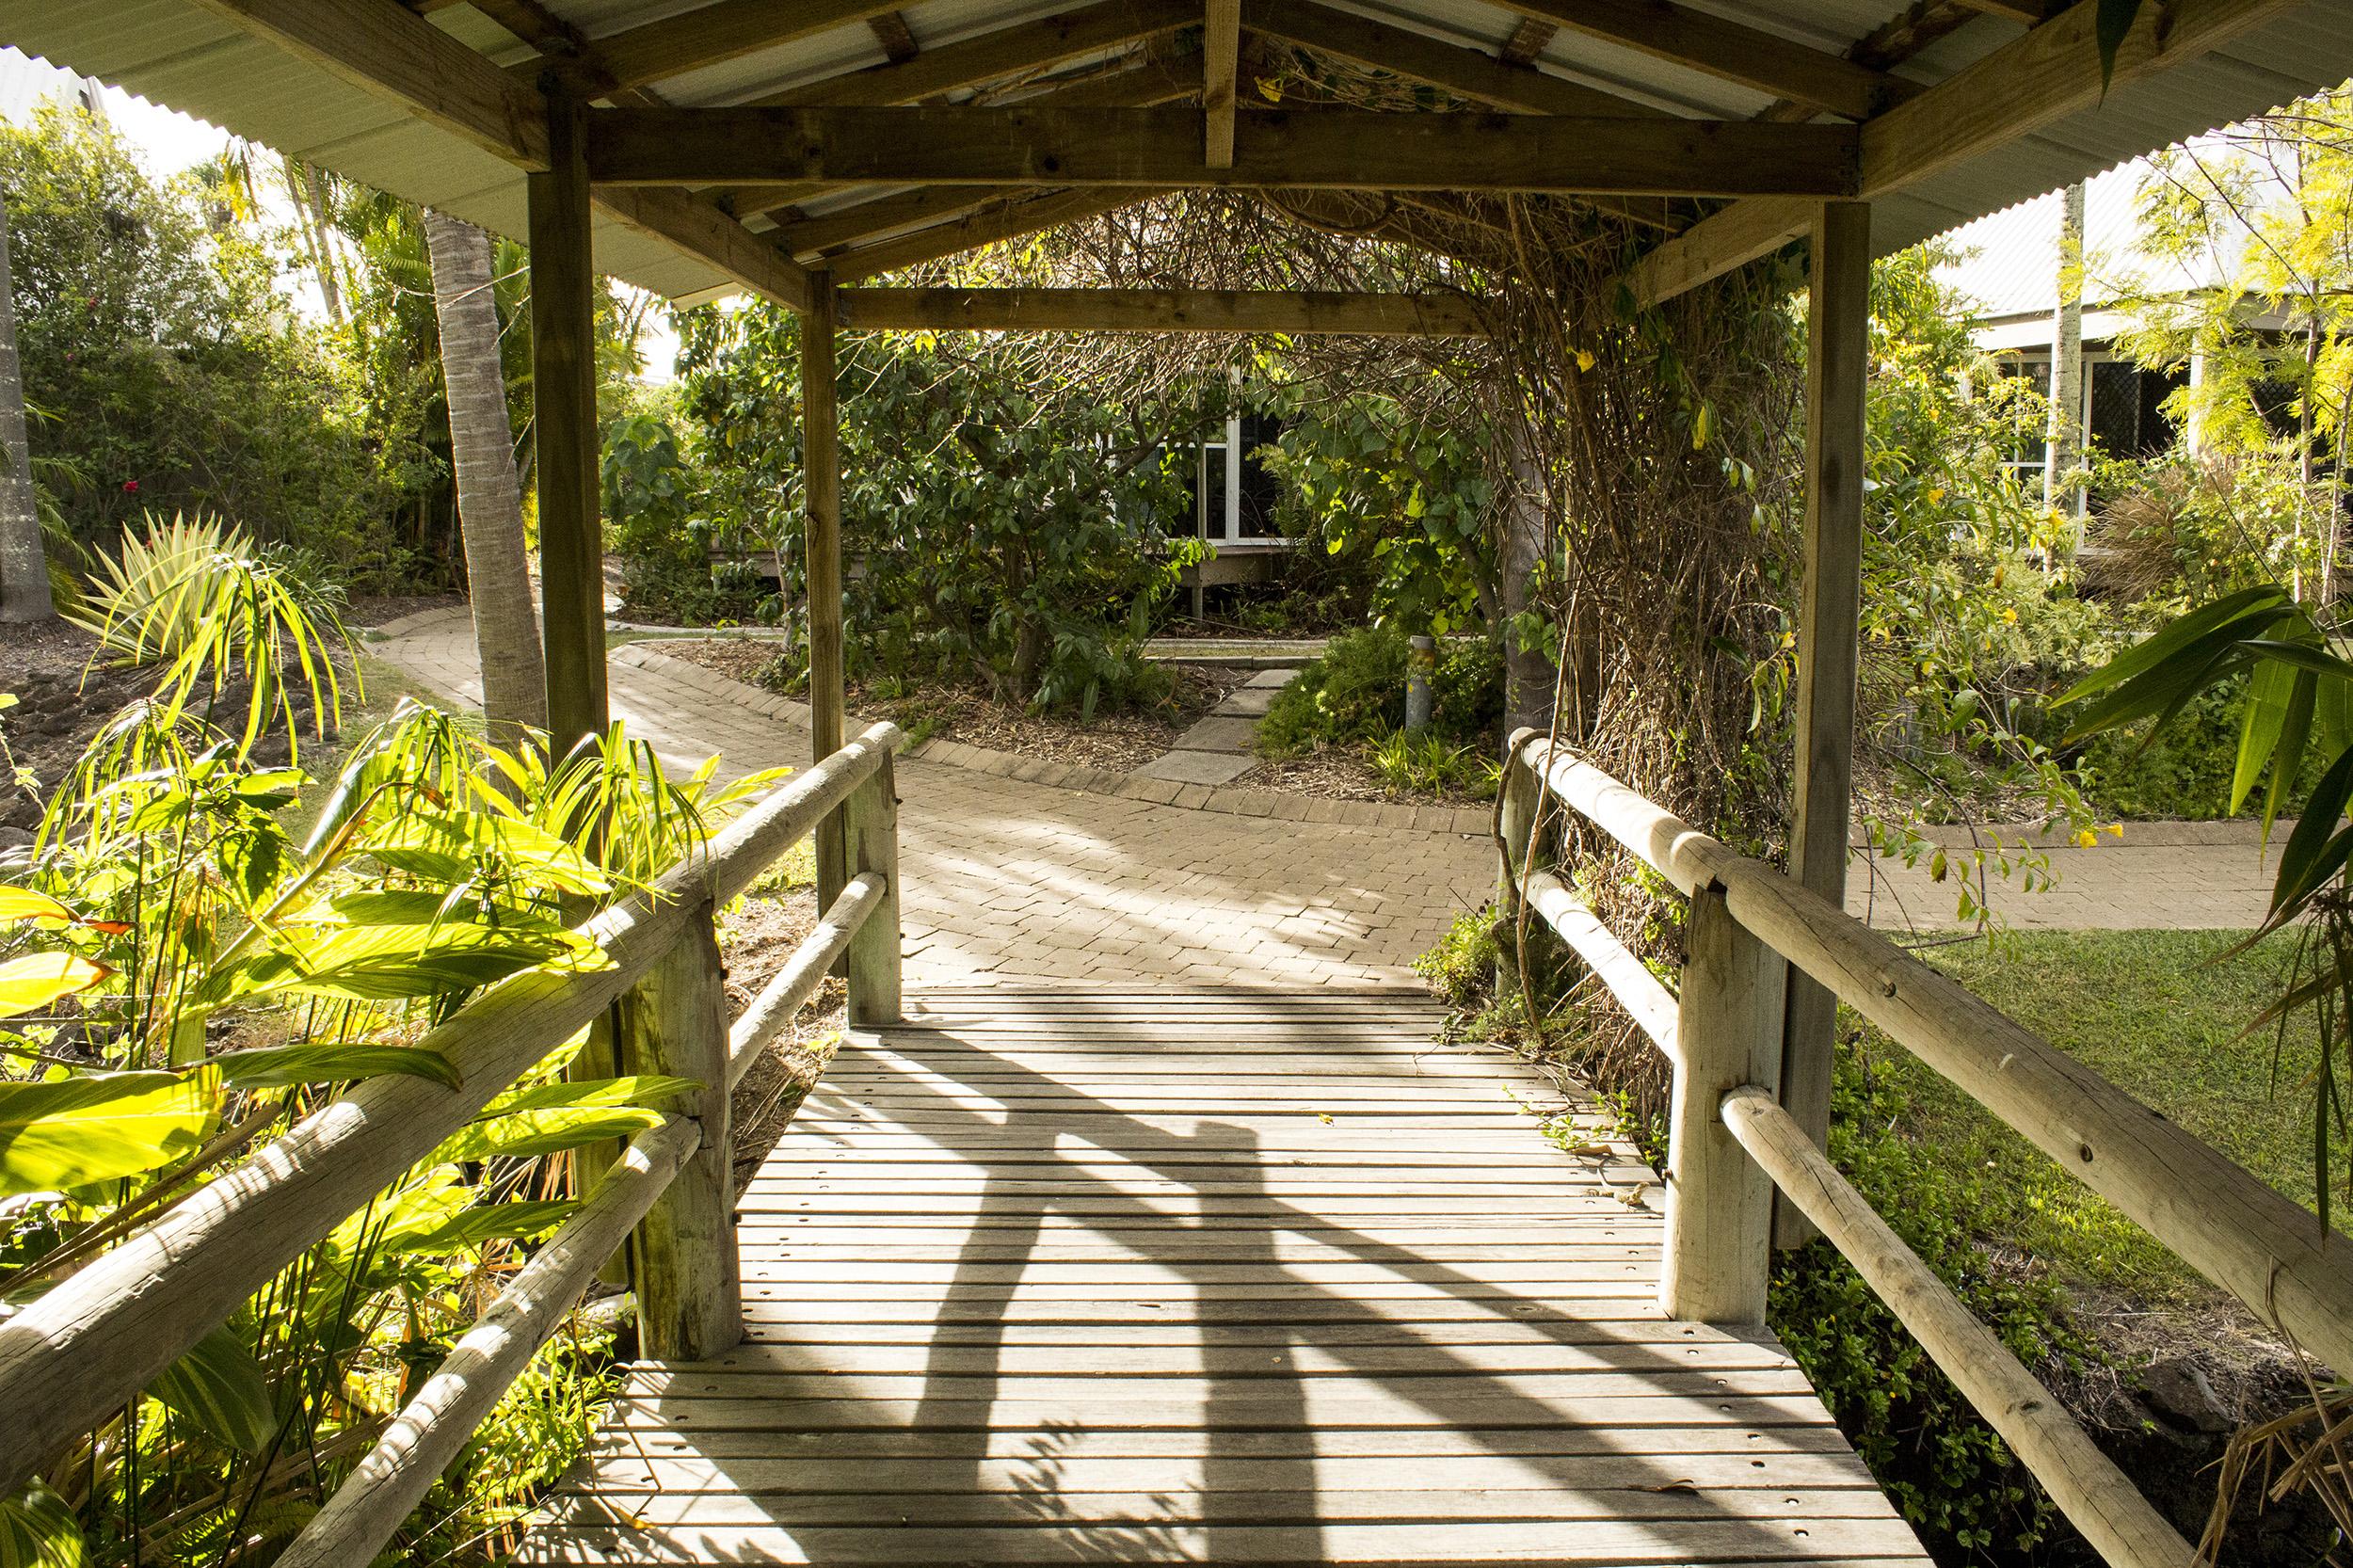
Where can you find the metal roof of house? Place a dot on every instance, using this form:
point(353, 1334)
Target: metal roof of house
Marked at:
point(188, 55)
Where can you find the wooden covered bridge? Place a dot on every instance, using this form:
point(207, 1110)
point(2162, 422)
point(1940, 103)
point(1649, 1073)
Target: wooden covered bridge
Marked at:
point(1056, 1276)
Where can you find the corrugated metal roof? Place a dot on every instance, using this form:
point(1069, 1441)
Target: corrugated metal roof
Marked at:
point(177, 54)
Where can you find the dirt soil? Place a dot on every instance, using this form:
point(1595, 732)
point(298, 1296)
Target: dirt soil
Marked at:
point(1114, 742)
point(381, 609)
point(1341, 773)
point(754, 943)
point(62, 699)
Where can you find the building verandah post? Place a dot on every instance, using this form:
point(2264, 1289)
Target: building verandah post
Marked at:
point(821, 481)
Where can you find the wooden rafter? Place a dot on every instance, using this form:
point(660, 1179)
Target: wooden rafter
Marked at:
point(1337, 148)
point(886, 216)
point(1221, 65)
point(1031, 46)
point(1138, 87)
point(1011, 221)
point(2026, 83)
point(1728, 50)
point(386, 50)
point(1109, 310)
point(710, 35)
point(1360, 40)
point(890, 30)
point(1528, 40)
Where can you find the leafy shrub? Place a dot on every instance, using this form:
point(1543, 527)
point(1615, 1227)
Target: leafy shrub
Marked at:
point(1429, 763)
point(194, 593)
point(652, 501)
point(1461, 967)
point(1355, 694)
point(186, 978)
point(1953, 1479)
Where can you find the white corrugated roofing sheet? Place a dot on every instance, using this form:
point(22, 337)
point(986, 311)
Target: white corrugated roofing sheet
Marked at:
point(177, 54)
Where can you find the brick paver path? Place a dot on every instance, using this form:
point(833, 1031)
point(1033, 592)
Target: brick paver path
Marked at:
point(2158, 877)
point(1009, 880)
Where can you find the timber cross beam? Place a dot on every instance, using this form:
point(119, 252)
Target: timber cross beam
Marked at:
point(1293, 312)
point(1313, 148)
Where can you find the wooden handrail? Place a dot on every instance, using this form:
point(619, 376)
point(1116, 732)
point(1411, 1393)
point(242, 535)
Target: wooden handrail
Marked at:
point(97, 1338)
point(1648, 1002)
point(2264, 1248)
point(430, 1431)
point(2085, 1483)
point(768, 1013)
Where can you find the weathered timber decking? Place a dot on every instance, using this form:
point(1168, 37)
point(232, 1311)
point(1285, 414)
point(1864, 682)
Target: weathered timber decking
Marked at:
point(1210, 1276)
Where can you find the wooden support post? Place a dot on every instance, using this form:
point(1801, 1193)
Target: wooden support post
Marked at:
point(675, 1021)
point(1520, 793)
point(1720, 1205)
point(564, 382)
point(1838, 366)
point(820, 485)
point(869, 832)
point(1221, 60)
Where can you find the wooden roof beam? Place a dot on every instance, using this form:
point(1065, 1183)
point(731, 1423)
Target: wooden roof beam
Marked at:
point(385, 49)
point(1010, 221)
point(1528, 40)
point(2028, 83)
point(1727, 50)
point(1466, 72)
point(1161, 148)
point(1221, 72)
point(1015, 51)
point(1292, 312)
point(890, 30)
point(708, 36)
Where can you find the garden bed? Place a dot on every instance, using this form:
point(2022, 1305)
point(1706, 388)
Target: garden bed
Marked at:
point(1117, 741)
point(1347, 773)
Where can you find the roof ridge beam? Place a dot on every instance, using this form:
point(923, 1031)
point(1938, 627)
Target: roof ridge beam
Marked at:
point(1340, 149)
point(1730, 51)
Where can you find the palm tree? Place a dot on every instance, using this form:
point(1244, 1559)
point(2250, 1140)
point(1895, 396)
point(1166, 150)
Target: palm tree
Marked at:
point(24, 568)
point(489, 493)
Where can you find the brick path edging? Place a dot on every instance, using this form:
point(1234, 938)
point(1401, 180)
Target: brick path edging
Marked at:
point(1085, 781)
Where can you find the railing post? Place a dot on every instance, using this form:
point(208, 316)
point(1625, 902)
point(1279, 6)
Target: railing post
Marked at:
point(675, 1021)
point(1518, 793)
point(1720, 1205)
point(870, 835)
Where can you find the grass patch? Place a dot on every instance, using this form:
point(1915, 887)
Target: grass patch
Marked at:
point(2160, 1013)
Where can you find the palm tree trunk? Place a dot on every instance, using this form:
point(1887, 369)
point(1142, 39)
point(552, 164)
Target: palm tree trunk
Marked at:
point(23, 567)
point(490, 493)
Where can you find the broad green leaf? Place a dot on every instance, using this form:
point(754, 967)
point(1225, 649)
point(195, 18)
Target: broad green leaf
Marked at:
point(549, 1131)
point(38, 1530)
point(382, 962)
point(2287, 762)
point(37, 979)
point(2315, 849)
point(23, 904)
point(69, 1133)
point(648, 1089)
point(222, 1389)
point(470, 1227)
point(2268, 691)
point(276, 1067)
point(441, 845)
point(2267, 606)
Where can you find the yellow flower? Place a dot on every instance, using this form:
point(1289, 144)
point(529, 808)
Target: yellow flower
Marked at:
point(1584, 358)
point(2116, 829)
point(2009, 618)
point(2086, 839)
point(1936, 493)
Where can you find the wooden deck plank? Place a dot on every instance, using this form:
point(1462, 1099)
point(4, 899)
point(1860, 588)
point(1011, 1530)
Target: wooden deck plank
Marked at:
point(1163, 1275)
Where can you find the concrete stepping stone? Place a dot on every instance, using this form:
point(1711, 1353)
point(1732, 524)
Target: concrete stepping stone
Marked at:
point(1220, 733)
point(1250, 702)
point(1198, 767)
point(1273, 679)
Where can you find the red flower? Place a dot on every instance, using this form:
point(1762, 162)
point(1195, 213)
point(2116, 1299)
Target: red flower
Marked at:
point(130, 487)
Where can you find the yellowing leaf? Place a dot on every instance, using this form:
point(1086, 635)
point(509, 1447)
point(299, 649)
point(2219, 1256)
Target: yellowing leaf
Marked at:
point(37, 979)
point(73, 1131)
point(23, 904)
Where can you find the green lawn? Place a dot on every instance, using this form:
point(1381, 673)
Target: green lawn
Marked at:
point(2161, 1014)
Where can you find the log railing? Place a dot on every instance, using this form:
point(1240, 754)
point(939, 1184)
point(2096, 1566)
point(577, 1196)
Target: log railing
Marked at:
point(1731, 1143)
point(95, 1340)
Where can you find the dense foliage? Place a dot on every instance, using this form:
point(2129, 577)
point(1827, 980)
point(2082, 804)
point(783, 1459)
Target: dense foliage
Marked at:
point(1003, 519)
point(1356, 693)
point(162, 366)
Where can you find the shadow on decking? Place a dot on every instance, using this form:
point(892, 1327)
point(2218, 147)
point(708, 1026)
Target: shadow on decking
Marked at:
point(1257, 1497)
